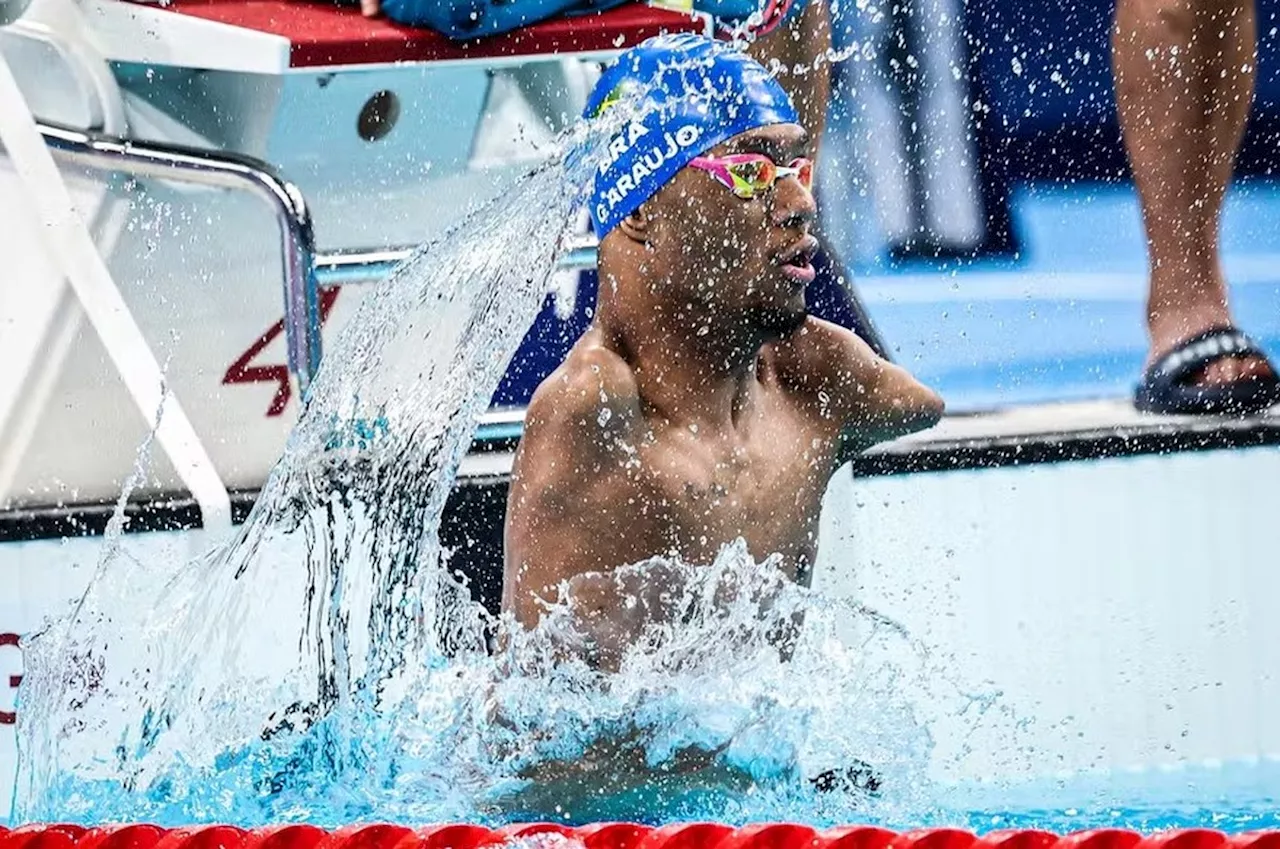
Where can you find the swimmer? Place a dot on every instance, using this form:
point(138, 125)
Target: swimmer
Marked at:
point(703, 404)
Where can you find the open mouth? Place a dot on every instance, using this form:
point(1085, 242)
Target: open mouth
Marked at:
point(800, 273)
point(797, 262)
point(800, 255)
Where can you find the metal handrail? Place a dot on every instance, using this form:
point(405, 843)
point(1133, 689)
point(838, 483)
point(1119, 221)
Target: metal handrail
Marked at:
point(341, 268)
point(231, 171)
point(304, 270)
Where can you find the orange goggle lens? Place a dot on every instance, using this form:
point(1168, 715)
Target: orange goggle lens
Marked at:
point(749, 174)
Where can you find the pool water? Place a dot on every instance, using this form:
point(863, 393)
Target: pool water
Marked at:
point(453, 745)
point(1235, 798)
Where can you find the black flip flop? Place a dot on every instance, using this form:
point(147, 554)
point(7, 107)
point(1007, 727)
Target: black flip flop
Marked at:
point(858, 777)
point(1166, 388)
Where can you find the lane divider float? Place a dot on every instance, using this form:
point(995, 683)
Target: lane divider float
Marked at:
point(609, 835)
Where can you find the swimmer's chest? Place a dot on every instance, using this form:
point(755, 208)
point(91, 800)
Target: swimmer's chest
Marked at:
point(763, 483)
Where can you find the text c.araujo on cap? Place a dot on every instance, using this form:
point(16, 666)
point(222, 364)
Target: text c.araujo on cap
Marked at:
point(689, 93)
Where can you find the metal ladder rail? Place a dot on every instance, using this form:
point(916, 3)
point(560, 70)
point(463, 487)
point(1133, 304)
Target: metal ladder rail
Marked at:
point(225, 170)
point(305, 270)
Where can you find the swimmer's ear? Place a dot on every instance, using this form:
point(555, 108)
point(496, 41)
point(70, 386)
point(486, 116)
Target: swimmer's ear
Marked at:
point(636, 225)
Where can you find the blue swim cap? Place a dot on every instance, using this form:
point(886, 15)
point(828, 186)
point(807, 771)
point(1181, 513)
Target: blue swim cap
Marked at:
point(702, 91)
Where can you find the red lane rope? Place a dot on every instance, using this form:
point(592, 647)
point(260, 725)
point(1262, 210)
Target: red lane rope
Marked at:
point(203, 837)
point(617, 835)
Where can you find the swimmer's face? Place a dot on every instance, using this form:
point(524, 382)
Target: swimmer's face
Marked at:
point(742, 261)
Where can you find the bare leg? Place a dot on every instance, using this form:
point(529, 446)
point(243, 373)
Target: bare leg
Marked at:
point(1184, 80)
point(801, 46)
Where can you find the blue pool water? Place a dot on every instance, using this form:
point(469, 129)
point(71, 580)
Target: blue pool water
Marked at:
point(452, 745)
point(1233, 797)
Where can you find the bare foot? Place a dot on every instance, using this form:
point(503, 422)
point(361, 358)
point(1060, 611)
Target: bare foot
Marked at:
point(1167, 335)
point(1232, 369)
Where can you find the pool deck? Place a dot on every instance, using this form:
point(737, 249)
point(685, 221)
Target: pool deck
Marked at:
point(1064, 321)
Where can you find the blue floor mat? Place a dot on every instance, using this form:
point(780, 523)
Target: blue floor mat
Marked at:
point(1065, 320)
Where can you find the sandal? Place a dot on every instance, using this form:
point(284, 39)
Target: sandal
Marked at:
point(1166, 388)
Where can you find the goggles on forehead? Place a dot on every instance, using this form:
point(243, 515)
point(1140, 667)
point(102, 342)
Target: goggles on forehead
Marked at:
point(750, 174)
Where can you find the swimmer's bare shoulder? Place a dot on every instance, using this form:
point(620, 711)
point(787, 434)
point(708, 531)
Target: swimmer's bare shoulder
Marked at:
point(853, 394)
point(581, 422)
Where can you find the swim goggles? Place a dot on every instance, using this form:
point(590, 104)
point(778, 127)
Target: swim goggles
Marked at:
point(749, 174)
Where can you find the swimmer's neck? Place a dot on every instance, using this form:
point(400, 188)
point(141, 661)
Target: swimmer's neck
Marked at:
point(688, 377)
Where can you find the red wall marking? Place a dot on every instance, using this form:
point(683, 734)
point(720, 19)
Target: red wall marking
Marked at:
point(9, 717)
point(241, 372)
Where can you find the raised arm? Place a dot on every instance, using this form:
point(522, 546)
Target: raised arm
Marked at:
point(862, 398)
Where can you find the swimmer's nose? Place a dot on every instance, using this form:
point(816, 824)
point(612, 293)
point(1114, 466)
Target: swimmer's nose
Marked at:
point(793, 204)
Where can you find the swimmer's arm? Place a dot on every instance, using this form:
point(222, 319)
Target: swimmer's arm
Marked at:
point(559, 530)
point(862, 398)
point(550, 515)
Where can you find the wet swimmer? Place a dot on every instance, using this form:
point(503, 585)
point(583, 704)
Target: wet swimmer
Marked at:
point(703, 404)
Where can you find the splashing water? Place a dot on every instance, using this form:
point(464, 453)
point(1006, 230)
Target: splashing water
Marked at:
point(826, 735)
point(323, 665)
